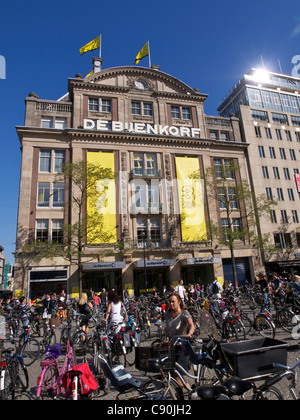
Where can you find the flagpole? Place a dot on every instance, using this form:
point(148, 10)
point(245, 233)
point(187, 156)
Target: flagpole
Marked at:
point(149, 54)
point(100, 44)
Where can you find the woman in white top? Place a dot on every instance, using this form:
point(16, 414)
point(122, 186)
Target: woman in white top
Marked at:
point(114, 310)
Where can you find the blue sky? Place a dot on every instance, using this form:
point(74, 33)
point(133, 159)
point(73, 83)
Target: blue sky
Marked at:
point(208, 45)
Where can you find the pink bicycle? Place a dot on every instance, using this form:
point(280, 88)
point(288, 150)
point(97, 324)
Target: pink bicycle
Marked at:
point(49, 383)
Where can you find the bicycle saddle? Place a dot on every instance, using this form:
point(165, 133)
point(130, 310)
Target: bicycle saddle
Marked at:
point(156, 364)
point(238, 387)
point(9, 350)
point(211, 392)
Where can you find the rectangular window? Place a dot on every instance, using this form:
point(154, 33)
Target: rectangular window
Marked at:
point(148, 109)
point(291, 194)
point(265, 172)
point(269, 193)
point(279, 118)
point(57, 231)
point(259, 115)
point(273, 216)
point(58, 194)
point(218, 168)
point(186, 113)
point(276, 173)
point(43, 194)
point(224, 136)
point(151, 164)
point(213, 135)
point(293, 154)
point(59, 160)
point(261, 151)
point(272, 153)
point(175, 111)
point(257, 131)
point(136, 108)
point(284, 217)
point(105, 105)
point(94, 104)
point(278, 134)
point(282, 240)
point(286, 173)
point(295, 216)
point(45, 161)
point(47, 122)
point(280, 194)
point(288, 136)
point(41, 234)
point(222, 198)
point(225, 228)
point(155, 233)
point(268, 133)
point(61, 123)
point(232, 197)
point(282, 153)
point(142, 232)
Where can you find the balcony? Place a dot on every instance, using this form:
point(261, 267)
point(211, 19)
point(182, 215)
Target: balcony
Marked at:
point(150, 244)
point(154, 208)
point(55, 107)
point(145, 173)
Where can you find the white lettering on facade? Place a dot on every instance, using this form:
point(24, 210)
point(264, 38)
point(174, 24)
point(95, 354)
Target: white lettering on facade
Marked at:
point(141, 128)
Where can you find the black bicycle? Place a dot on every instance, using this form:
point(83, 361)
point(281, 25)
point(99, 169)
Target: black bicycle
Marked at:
point(14, 375)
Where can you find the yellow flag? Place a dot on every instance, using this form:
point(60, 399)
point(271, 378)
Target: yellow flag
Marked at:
point(93, 45)
point(143, 53)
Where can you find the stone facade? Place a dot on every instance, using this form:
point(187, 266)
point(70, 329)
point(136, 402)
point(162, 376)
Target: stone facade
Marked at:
point(131, 112)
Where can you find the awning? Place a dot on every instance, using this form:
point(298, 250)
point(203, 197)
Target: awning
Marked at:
point(155, 263)
point(201, 261)
point(114, 265)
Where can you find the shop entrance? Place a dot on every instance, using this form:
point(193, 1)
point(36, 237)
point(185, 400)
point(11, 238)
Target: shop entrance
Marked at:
point(98, 280)
point(155, 278)
point(38, 289)
point(201, 274)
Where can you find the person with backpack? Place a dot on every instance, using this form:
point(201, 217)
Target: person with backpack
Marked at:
point(216, 289)
point(85, 308)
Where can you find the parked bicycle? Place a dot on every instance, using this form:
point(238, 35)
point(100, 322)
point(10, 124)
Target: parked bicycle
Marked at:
point(14, 375)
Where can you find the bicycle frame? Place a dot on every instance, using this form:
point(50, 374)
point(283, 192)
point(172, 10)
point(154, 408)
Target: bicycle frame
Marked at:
point(50, 360)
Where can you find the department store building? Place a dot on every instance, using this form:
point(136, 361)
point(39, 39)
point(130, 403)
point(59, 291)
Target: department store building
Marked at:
point(151, 130)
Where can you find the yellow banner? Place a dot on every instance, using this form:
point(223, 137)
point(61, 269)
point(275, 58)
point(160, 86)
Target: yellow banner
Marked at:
point(101, 206)
point(191, 199)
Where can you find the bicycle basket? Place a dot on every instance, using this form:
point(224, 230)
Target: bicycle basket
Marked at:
point(54, 351)
point(247, 358)
point(144, 353)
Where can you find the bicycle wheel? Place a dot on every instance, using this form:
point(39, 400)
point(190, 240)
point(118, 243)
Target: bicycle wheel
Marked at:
point(6, 392)
point(30, 351)
point(47, 385)
point(271, 393)
point(229, 332)
point(22, 375)
point(286, 320)
point(79, 340)
point(264, 326)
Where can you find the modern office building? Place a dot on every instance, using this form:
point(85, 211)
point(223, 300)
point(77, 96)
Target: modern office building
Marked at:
point(2, 268)
point(268, 105)
point(150, 129)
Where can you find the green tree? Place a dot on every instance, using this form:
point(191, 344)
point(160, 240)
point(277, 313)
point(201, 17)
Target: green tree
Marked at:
point(84, 227)
point(240, 209)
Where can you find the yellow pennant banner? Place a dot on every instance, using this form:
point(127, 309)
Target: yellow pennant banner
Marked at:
point(191, 199)
point(101, 204)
